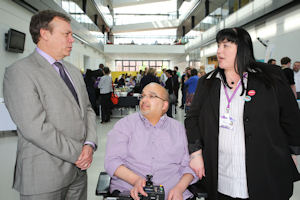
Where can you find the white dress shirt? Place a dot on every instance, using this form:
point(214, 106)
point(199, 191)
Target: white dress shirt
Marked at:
point(232, 179)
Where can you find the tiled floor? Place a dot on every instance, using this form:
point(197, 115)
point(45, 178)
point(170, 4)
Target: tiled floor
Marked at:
point(8, 144)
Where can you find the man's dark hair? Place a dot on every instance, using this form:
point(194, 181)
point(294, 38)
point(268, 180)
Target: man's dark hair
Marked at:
point(285, 60)
point(170, 72)
point(176, 68)
point(194, 72)
point(101, 66)
point(106, 70)
point(41, 20)
point(271, 60)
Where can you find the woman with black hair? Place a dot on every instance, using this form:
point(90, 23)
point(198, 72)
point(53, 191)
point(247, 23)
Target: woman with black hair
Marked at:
point(243, 125)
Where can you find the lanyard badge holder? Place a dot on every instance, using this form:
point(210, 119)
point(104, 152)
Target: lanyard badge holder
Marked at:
point(226, 121)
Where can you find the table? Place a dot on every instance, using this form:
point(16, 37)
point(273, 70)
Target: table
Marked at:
point(125, 103)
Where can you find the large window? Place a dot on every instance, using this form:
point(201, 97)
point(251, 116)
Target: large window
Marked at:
point(136, 65)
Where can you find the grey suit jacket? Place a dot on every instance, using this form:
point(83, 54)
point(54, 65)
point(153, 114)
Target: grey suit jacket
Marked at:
point(51, 127)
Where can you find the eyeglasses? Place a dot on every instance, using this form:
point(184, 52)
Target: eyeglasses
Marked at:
point(150, 96)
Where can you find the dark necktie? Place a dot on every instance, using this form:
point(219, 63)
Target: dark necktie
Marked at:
point(66, 79)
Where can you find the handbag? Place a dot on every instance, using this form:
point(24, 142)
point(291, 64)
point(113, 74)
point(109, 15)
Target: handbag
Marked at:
point(114, 98)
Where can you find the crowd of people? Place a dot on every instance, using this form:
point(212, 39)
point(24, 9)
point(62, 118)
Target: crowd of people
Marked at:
point(240, 132)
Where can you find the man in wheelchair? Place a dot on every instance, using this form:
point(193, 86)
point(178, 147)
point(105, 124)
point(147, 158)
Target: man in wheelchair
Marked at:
point(149, 143)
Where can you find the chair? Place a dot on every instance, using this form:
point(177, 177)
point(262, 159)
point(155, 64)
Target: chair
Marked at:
point(102, 188)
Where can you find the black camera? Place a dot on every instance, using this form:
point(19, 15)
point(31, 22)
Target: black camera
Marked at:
point(154, 192)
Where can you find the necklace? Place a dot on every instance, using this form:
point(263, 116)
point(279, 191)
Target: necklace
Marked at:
point(232, 82)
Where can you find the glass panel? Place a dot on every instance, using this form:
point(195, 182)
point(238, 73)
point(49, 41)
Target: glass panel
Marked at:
point(132, 63)
point(125, 63)
point(139, 63)
point(126, 69)
point(152, 63)
point(159, 63)
point(146, 63)
point(166, 63)
point(119, 68)
point(119, 63)
point(132, 69)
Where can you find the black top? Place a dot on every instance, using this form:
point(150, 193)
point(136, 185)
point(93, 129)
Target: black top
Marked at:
point(271, 123)
point(148, 79)
point(289, 74)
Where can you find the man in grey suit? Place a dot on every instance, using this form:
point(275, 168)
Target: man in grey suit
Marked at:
point(47, 99)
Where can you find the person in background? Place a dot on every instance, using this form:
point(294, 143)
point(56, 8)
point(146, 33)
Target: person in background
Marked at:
point(183, 88)
point(177, 72)
point(296, 69)
point(97, 74)
point(170, 88)
point(89, 80)
point(148, 78)
point(149, 143)
point(163, 77)
point(286, 68)
point(139, 77)
point(191, 85)
point(48, 101)
point(121, 81)
point(201, 72)
point(105, 86)
point(132, 81)
point(243, 125)
point(272, 61)
point(176, 85)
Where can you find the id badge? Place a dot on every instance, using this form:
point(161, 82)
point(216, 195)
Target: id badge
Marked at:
point(226, 121)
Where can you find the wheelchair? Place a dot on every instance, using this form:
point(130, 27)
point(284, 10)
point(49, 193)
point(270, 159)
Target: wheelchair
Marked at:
point(103, 184)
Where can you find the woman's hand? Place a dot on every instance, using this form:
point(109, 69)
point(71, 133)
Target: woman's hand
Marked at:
point(197, 164)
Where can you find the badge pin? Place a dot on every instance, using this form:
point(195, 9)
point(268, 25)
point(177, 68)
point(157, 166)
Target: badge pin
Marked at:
point(251, 93)
point(247, 98)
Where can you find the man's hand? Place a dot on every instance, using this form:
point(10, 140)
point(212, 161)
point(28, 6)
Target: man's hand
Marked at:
point(175, 194)
point(138, 186)
point(197, 164)
point(86, 157)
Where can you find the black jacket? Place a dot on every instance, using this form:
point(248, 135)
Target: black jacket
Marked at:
point(271, 124)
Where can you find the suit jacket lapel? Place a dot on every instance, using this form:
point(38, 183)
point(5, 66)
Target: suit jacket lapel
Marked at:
point(56, 79)
point(76, 84)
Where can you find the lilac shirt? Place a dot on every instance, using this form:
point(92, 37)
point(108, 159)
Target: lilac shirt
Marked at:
point(159, 150)
point(52, 61)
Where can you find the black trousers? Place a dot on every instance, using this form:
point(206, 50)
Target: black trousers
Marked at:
point(105, 103)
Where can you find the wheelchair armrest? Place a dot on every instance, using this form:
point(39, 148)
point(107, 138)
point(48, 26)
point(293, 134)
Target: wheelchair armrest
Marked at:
point(198, 190)
point(103, 184)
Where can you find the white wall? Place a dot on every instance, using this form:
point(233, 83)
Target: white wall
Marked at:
point(17, 17)
point(283, 32)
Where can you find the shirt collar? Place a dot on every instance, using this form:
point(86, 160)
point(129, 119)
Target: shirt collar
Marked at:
point(50, 59)
point(159, 124)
